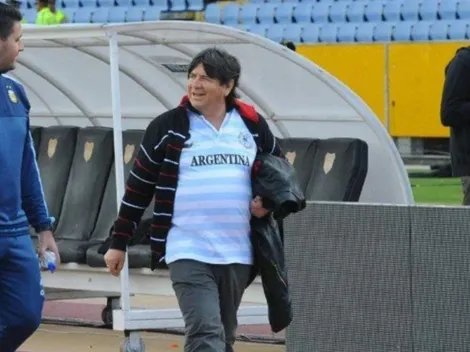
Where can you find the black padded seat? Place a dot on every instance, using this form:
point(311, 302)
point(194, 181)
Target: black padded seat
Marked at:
point(339, 170)
point(108, 212)
point(301, 154)
point(36, 135)
point(89, 174)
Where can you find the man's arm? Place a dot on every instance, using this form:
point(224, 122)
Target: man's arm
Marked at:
point(33, 202)
point(455, 103)
point(140, 186)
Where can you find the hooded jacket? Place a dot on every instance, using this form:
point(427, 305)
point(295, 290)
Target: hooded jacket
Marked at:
point(274, 179)
point(455, 110)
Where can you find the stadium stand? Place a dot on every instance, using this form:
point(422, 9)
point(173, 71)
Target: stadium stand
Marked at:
point(77, 170)
point(323, 21)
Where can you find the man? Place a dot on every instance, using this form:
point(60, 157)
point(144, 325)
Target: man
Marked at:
point(48, 14)
point(196, 161)
point(455, 113)
point(289, 44)
point(21, 200)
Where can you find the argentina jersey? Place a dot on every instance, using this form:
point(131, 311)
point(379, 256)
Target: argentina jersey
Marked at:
point(211, 220)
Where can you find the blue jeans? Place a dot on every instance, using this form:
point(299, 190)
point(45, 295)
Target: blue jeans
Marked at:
point(21, 292)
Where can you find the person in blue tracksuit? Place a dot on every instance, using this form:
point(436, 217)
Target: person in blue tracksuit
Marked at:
point(21, 200)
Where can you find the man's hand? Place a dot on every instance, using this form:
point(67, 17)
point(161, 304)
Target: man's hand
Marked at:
point(256, 207)
point(47, 242)
point(114, 259)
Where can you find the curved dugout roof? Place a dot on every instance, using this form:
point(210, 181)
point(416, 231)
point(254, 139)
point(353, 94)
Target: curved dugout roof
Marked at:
point(66, 72)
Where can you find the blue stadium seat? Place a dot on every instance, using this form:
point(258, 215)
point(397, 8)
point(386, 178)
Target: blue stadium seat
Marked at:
point(162, 4)
point(178, 5)
point(392, 11)
point(106, 3)
point(88, 3)
point(100, 15)
point(365, 32)
point(152, 13)
point(230, 14)
point(328, 33)
point(293, 33)
point(284, 13)
point(83, 15)
point(448, 10)
point(275, 2)
point(310, 33)
point(249, 13)
point(429, 10)
point(135, 14)
point(402, 31)
point(275, 32)
point(125, 3)
point(117, 14)
point(321, 12)
point(303, 13)
point(73, 4)
point(458, 30)
point(356, 11)
point(420, 31)
point(338, 11)
point(29, 15)
point(374, 11)
point(347, 32)
point(463, 9)
point(259, 29)
point(142, 3)
point(410, 10)
point(383, 32)
point(257, 2)
point(439, 30)
point(195, 5)
point(70, 13)
point(266, 13)
point(212, 13)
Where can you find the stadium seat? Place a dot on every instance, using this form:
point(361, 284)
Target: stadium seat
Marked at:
point(100, 15)
point(463, 10)
point(108, 209)
point(374, 10)
point(347, 32)
point(117, 14)
point(293, 33)
point(284, 13)
point(106, 3)
point(124, 3)
point(71, 4)
point(301, 154)
point(420, 31)
point(439, 30)
point(410, 10)
point(338, 171)
point(310, 33)
point(70, 14)
point(89, 3)
point(392, 11)
point(266, 13)
point(321, 12)
point(365, 32)
point(458, 30)
point(55, 155)
point(356, 11)
point(249, 14)
point(230, 14)
point(275, 32)
point(152, 13)
point(36, 136)
point(328, 33)
point(143, 3)
point(178, 5)
point(195, 5)
point(162, 4)
point(29, 15)
point(448, 10)
point(383, 32)
point(402, 31)
point(135, 14)
point(338, 11)
point(303, 12)
point(83, 15)
point(91, 165)
point(258, 29)
point(213, 13)
point(429, 9)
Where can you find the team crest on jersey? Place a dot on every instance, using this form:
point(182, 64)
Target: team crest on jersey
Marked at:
point(12, 96)
point(245, 140)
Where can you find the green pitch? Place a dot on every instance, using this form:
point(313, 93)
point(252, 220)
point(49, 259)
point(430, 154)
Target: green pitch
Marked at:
point(447, 191)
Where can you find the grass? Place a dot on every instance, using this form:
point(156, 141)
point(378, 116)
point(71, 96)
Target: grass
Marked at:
point(445, 191)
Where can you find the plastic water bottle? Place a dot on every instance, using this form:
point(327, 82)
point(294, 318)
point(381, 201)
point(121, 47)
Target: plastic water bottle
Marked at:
point(48, 262)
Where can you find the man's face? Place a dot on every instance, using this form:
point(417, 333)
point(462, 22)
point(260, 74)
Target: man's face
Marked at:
point(203, 91)
point(10, 48)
